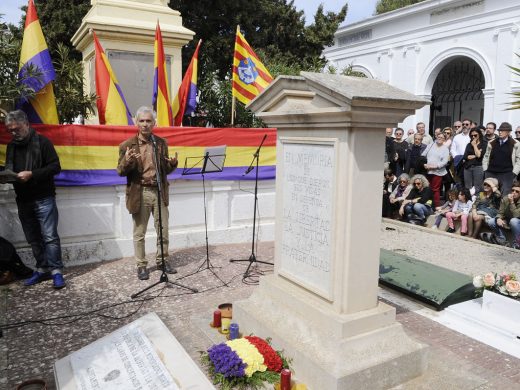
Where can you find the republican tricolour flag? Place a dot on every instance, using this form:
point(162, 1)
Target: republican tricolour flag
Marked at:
point(111, 104)
point(34, 51)
point(161, 92)
point(250, 76)
point(185, 101)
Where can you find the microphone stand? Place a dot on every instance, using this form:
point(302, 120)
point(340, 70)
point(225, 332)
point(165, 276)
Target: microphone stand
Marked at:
point(164, 276)
point(252, 258)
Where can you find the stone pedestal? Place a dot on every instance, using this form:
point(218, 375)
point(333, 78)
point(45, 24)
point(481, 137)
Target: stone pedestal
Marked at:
point(321, 303)
point(126, 30)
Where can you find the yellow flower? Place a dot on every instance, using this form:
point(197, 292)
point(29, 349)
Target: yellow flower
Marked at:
point(249, 355)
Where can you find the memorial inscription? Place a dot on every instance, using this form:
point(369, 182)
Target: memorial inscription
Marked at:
point(126, 361)
point(308, 182)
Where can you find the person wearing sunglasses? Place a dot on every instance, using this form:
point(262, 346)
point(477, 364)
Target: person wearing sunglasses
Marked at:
point(458, 146)
point(418, 204)
point(508, 217)
point(400, 146)
point(399, 194)
point(457, 127)
point(472, 160)
point(517, 133)
point(448, 132)
point(502, 158)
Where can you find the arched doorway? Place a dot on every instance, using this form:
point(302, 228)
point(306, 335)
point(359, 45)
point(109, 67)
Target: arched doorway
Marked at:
point(457, 93)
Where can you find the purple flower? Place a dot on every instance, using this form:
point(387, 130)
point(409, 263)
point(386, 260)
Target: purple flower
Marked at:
point(226, 361)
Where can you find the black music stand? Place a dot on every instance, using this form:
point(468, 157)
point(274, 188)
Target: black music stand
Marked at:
point(164, 276)
point(212, 162)
point(252, 258)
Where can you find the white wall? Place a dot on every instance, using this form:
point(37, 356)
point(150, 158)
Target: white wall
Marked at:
point(409, 47)
point(94, 224)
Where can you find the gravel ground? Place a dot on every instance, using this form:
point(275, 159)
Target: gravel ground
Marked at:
point(29, 351)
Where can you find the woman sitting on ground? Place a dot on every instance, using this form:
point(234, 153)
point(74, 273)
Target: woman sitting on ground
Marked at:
point(418, 204)
point(400, 193)
point(461, 209)
point(485, 206)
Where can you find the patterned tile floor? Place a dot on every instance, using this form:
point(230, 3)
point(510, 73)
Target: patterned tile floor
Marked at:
point(97, 301)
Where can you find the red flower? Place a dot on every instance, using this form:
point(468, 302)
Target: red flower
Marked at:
point(271, 359)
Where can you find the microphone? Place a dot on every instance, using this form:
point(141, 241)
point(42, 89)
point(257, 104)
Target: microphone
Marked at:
point(152, 138)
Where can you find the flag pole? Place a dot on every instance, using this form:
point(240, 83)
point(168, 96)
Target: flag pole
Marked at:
point(233, 110)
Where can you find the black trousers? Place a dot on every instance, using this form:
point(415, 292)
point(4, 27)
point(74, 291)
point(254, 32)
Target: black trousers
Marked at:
point(10, 261)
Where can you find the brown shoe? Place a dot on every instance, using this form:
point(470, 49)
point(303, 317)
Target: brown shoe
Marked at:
point(167, 268)
point(7, 277)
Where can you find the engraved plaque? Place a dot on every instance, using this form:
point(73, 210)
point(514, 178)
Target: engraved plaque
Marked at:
point(308, 184)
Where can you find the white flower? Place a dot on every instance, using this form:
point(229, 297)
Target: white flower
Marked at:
point(478, 282)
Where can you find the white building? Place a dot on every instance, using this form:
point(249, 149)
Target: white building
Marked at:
point(453, 52)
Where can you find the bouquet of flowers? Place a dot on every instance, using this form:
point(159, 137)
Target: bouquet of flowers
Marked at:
point(243, 363)
point(505, 284)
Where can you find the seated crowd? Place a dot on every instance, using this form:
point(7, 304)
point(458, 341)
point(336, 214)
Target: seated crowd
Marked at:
point(475, 170)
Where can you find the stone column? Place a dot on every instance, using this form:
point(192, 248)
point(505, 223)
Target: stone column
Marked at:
point(126, 28)
point(321, 303)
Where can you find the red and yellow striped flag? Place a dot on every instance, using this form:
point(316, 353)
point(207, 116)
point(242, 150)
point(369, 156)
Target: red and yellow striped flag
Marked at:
point(250, 76)
point(161, 91)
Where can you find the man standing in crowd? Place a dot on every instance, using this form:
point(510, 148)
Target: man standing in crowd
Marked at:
point(489, 134)
point(137, 163)
point(508, 216)
point(457, 127)
point(502, 158)
point(413, 153)
point(421, 129)
point(517, 133)
point(400, 146)
point(35, 161)
point(458, 146)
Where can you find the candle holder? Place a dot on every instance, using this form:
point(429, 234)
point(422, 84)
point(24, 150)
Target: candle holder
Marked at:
point(226, 309)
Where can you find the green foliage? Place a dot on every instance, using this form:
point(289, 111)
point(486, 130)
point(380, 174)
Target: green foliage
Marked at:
point(276, 31)
point(59, 20)
point(384, 6)
point(515, 105)
point(68, 87)
point(346, 71)
point(10, 88)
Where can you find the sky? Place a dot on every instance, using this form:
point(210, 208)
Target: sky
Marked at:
point(358, 9)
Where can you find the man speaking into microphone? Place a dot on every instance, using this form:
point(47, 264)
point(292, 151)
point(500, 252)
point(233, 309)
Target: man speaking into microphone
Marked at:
point(137, 163)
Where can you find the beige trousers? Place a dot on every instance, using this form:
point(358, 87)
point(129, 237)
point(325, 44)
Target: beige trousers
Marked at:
point(149, 206)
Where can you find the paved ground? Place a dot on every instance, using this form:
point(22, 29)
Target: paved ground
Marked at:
point(456, 361)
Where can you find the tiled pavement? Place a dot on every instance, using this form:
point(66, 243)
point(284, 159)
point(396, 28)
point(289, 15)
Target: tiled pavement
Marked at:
point(456, 361)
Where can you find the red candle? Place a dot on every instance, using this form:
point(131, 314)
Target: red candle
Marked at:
point(285, 379)
point(217, 318)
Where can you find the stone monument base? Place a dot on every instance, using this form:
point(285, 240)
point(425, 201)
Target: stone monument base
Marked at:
point(365, 350)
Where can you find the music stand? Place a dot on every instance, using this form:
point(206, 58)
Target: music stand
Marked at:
point(212, 162)
point(252, 258)
point(164, 276)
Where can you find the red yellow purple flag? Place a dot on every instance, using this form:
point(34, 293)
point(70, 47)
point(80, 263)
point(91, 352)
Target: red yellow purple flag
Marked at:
point(111, 104)
point(185, 101)
point(34, 52)
point(250, 76)
point(161, 92)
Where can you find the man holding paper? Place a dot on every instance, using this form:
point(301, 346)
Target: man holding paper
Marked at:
point(34, 160)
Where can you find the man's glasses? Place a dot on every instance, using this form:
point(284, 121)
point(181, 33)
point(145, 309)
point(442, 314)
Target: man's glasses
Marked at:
point(403, 181)
point(515, 190)
point(466, 124)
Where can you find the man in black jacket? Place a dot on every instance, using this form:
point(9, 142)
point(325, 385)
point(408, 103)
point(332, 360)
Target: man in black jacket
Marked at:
point(35, 161)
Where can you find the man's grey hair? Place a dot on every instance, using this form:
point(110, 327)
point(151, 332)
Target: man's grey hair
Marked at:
point(17, 116)
point(145, 110)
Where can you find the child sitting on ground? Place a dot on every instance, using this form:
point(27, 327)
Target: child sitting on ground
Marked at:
point(446, 207)
point(461, 209)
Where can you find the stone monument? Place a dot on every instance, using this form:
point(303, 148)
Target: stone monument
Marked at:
point(126, 29)
point(321, 303)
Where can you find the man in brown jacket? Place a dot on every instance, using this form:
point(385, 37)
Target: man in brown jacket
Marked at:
point(137, 163)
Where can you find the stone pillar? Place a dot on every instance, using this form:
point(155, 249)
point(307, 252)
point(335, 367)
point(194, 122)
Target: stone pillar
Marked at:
point(321, 303)
point(126, 29)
